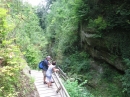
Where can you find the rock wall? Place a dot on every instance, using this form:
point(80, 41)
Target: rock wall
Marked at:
point(97, 47)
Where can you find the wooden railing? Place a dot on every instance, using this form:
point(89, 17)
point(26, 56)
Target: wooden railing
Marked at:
point(62, 74)
point(59, 77)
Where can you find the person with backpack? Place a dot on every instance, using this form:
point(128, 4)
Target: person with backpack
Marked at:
point(45, 64)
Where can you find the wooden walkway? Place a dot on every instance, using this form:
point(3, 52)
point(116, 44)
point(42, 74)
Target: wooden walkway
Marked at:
point(43, 89)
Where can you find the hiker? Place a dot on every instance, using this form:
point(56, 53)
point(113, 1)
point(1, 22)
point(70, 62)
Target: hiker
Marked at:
point(45, 65)
point(49, 72)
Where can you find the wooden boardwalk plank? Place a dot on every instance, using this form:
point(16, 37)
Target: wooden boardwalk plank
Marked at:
point(43, 89)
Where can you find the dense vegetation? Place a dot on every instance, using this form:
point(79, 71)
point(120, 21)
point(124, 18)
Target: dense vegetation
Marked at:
point(60, 29)
point(17, 47)
point(66, 24)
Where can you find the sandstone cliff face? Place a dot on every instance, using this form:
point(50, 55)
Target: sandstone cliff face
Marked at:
point(97, 47)
point(106, 68)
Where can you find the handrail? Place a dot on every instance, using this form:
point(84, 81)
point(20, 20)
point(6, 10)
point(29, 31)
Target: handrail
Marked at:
point(60, 87)
point(62, 74)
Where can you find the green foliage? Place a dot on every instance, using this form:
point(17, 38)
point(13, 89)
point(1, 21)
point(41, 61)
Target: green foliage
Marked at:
point(98, 24)
point(76, 63)
point(109, 75)
point(11, 67)
point(117, 44)
point(76, 90)
point(124, 47)
point(9, 78)
point(126, 79)
point(120, 11)
point(3, 13)
point(108, 90)
point(109, 81)
point(12, 83)
point(3, 23)
point(62, 25)
point(32, 55)
point(126, 83)
point(117, 18)
point(27, 33)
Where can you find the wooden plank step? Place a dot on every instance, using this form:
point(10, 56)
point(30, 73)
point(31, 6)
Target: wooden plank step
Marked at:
point(43, 89)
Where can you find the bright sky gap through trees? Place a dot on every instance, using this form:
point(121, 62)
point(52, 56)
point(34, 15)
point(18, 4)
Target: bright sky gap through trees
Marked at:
point(35, 2)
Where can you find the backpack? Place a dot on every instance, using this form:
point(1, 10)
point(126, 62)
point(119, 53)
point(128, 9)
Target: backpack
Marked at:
point(40, 65)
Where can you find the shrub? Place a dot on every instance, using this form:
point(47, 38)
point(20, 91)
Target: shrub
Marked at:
point(76, 90)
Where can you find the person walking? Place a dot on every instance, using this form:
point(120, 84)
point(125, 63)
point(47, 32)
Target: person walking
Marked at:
point(45, 67)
